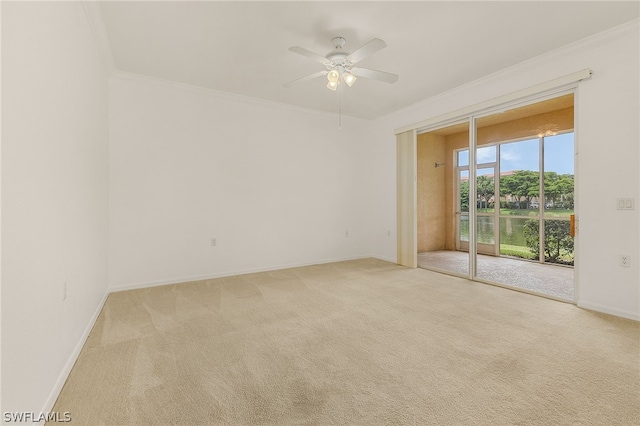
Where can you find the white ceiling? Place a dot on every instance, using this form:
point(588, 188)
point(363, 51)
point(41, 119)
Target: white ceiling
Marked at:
point(242, 47)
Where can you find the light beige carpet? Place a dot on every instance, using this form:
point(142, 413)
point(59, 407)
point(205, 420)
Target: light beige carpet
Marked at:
point(362, 342)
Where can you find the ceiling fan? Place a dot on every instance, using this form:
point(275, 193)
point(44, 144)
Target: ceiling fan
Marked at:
point(341, 65)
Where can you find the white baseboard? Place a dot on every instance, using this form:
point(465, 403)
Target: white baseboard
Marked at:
point(386, 259)
point(608, 310)
point(64, 374)
point(178, 280)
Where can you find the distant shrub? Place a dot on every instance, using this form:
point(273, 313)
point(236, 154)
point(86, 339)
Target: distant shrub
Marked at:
point(558, 243)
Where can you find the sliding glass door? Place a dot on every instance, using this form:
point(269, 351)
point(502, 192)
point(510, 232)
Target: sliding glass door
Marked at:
point(508, 221)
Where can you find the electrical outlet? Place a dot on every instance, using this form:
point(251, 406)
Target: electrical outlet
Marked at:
point(625, 260)
point(214, 242)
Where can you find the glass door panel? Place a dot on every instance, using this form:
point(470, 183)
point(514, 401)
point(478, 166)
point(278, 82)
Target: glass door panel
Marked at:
point(519, 206)
point(558, 176)
point(558, 198)
point(463, 209)
point(511, 209)
point(533, 199)
point(485, 208)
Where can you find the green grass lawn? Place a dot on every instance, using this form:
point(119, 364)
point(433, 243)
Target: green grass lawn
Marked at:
point(517, 251)
point(566, 257)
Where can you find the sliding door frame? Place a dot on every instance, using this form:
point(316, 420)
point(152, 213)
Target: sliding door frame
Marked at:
point(408, 137)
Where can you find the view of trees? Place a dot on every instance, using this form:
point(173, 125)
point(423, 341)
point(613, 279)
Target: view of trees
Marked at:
point(464, 196)
point(522, 186)
point(485, 187)
point(558, 190)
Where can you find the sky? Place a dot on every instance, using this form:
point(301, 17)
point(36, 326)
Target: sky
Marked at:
point(524, 155)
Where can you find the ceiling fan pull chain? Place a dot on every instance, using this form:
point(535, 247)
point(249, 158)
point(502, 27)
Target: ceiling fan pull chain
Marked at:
point(340, 110)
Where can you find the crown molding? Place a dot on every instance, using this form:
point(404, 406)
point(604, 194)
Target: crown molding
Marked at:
point(578, 47)
point(225, 96)
point(93, 13)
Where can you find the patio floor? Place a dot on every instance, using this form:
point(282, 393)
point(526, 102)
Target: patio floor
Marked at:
point(551, 280)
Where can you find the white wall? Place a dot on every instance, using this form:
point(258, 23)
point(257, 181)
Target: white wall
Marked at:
point(54, 195)
point(275, 185)
point(608, 111)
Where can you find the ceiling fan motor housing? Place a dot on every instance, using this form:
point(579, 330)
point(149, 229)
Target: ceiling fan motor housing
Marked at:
point(338, 57)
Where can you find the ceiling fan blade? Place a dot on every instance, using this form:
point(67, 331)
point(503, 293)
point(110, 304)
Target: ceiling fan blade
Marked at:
point(309, 54)
point(309, 77)
point(387, 77)
point(368, 49)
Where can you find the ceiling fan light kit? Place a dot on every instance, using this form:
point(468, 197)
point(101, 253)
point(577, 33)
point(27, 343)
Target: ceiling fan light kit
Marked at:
point(349, 78)
point(333, 76)
point(340, 64)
